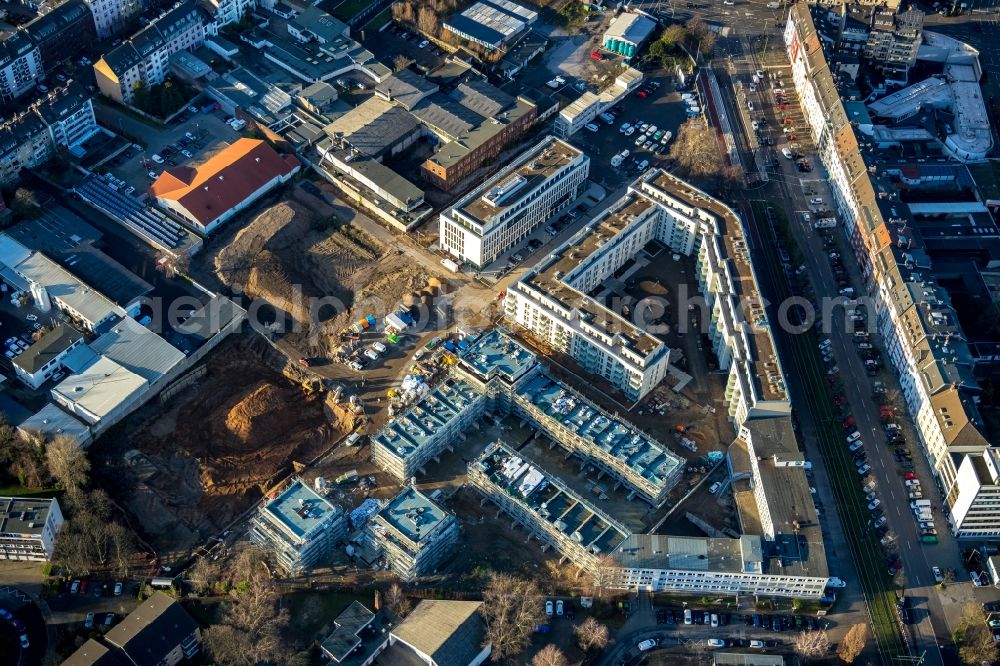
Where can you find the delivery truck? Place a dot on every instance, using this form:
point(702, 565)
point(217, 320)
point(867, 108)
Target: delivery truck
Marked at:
point(451, 265)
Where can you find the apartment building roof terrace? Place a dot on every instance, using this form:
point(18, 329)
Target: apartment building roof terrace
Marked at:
point(547, 276)
point(408, 432)
point(488, 202)
point(547, 496)
point(299, 510)
point(758, 344)
point(634, 450)
point(496, 354)
point(413, 516)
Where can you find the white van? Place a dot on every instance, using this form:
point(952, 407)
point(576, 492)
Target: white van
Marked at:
point(592, 127)
point(647, 644)
point(787, 153)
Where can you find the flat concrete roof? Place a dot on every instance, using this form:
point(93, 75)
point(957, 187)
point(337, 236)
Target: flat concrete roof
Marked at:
point(413, 515)
point(529, 170)
point(551, 499)
point(620, 440)
point(497, 354)
point(408, 432)
point(300, 510)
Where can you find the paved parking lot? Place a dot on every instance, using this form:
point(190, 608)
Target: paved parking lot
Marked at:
point(134, 167)
point(663, 108)
point(396, 40)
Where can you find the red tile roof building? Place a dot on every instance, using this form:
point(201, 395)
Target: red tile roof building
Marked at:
point(209, 194)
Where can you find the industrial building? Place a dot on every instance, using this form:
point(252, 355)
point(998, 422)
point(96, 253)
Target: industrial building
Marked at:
point(492, 24)
point(44, 358)
point(297, 527)
point(430, 426)
point(503, 210)
point(914, 314)
point(209, 194)
point(628, 33)
point(51, 421)
point(414, 533)
point(50, 284)
point(28, 528)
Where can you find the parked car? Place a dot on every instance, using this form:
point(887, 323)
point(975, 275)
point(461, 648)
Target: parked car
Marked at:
point(548, 607)
point(88, 623)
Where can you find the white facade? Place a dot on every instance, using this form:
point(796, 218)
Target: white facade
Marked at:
point(227, 12)
point(589, 105)
point(976, 510)
point(551, 299)
point(923, 341)
point(20, 67)
point(28, 528)
point(502, 211)
point(111, 16)
point(76, 127)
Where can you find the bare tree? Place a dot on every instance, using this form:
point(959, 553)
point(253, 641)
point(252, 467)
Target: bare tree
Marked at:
point(249, 631)
point(204, 575)
point(427, 22)
point(396, 601)
point(853, 644)
point(25, 204)
point(401, 62)
point(122, 546)
point(67, 463)
point(701, 32)
point(591, 635)
point(549, 655)
point(512, 607)
point(604, 574)
point(811, 644)
point(696, 151)
point(975, 641)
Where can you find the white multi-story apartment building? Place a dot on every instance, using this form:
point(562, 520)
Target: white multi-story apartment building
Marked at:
point(558, 517)
point(144, 58)
point(62, 118)
point(20, 66)
point(414, 534)
point(498, 214)
point(111, 16)
point(28, 528)
point(923, 339)
point(298, 527)
point(227, 12)
point(429, 427)
point(551, 300)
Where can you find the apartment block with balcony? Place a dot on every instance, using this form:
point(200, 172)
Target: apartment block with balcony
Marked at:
point(112, 16)
point(503, 210)
point(431, 425)
point(28, 528)
point(646, 467)
point(143, 60)
point(923, 338)
point(20, 66)
point(545, 506)
point(415, 534)
point(893, 41)
point(297, 527)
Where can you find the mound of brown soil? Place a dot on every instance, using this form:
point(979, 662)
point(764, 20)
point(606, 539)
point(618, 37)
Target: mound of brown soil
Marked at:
point(247, 419)
point(653, 288)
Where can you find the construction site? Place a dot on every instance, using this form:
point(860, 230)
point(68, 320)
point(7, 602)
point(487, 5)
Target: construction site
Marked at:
point(189, 464)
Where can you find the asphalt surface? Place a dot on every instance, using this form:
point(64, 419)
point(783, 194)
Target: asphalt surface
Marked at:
point(754, 42)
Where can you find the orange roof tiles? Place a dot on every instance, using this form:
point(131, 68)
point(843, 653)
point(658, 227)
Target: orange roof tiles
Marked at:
point(227, 178)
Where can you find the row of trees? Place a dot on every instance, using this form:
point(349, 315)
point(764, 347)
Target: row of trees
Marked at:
point(426, 15)
point(91, 536)
point(811, 645)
